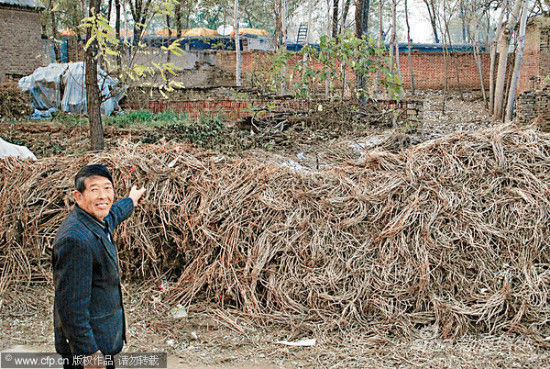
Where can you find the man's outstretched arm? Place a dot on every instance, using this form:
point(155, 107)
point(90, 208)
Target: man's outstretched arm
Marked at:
point(122, 209)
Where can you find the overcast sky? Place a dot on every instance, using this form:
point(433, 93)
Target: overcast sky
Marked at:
point(421, 30)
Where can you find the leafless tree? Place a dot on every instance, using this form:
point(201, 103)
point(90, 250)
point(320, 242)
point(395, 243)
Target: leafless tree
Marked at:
point(503, 59)
point(494, 46)
point(432, 12)
point(345, 12)
point(93, 98)
point(334, 18)
point(411, 69)
point(140, 10)
point(517, 65)
point(237, 45)
point(362, 12)
point(380, 39)
point(474, 18)
point(55, 45)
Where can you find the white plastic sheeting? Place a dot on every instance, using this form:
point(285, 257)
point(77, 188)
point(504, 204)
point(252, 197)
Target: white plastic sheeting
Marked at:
point(62, 86)
point(8, 149)
point(44, 85)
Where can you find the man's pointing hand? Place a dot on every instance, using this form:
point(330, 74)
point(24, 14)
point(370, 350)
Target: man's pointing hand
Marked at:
point(136, 194)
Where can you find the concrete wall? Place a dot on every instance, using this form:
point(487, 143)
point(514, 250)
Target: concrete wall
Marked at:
point(198, 68)
point(20, 42)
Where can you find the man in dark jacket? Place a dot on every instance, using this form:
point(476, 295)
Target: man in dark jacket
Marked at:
point(88, 313)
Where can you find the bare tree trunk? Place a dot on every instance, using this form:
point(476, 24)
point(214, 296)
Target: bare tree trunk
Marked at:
point(169, 38)
point(392, 50)
point(140, 12)
point(344, 80)
point(362, 9)
point(309, 15)
point(57, 53)
point(446, 64)
point(503, 60)
point(93, 98)
point(394, 38)
point(334, 18)
point(177, 10)
point(517, 66)
point(433, 17)
point(463, 19)
point(452, 54)
point(237, 46)
point(327, 82)
point(380, 41)
point(479, 65)
point(284, 25)
point(345, 13)
point(85, 5)
point(109, 10)
point(120, 46)
point(411, 70)
point(477, 56)
point(278, 7)
point(496, 39)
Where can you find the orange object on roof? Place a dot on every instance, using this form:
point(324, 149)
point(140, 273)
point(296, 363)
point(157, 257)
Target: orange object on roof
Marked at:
point(200, 31)
point(67, 32)
point(251, 31)
point(126, 33)
point(164, 32)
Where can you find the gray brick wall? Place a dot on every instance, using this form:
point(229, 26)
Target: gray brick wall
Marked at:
point(20, 42)
point(534, 107)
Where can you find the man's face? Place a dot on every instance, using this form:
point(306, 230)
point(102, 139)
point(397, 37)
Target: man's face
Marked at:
point(97, 197)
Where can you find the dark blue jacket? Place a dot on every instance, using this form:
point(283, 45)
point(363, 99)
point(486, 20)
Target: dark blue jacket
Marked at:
point(88, 312)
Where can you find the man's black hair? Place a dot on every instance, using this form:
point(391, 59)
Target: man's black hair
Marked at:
point(90, 171)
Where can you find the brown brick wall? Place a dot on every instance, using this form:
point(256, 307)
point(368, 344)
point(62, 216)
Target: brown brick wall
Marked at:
point(20, 42)
point(534, 106)
point(536, 57)
point(545, 51)
point(236, 109)
point(429, 68)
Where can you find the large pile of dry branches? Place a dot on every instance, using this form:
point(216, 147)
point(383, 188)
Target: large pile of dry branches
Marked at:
point(13, 102)
point(453, 231)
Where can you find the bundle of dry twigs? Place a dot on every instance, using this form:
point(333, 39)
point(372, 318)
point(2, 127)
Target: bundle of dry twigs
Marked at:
point(453, 231)
point(13, 102)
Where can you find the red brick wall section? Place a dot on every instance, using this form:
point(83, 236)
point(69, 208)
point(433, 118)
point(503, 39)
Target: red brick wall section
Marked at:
point(228, 109)
point(545, 52)
point(429, 68)
point(20, 42)
point(237, 109)
point(530, 66)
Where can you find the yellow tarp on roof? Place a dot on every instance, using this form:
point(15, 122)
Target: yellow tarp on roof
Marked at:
point(164, 32)
point(200, 32)
point(251, 31)
point(67, 32)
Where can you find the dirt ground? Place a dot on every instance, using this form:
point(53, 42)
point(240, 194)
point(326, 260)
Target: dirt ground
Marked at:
point(211, 338)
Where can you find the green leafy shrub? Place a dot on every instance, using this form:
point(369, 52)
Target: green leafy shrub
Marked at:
point(145, 117)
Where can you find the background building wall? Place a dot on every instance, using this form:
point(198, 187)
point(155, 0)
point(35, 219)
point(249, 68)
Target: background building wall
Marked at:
point(20, 42)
